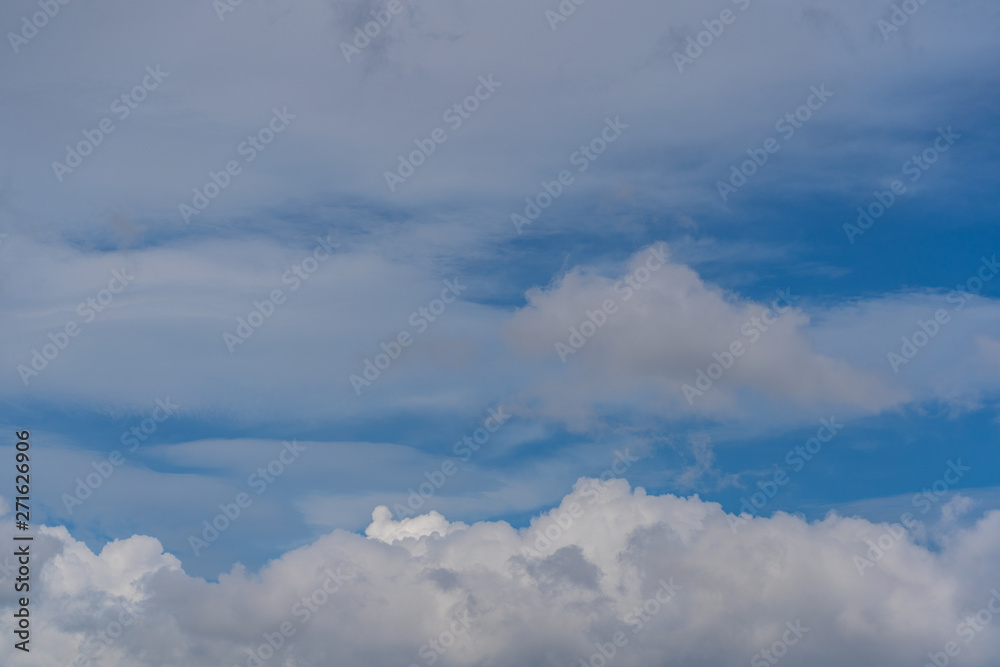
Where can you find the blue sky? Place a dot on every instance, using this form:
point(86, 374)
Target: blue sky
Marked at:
point(907, 123)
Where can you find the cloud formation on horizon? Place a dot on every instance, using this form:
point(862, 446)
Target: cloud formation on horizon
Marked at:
point(672, 580)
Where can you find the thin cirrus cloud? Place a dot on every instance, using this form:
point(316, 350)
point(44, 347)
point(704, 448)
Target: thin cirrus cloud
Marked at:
point(351, 129)
point(663, 337)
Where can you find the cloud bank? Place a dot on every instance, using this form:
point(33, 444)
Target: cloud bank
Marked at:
point(653, 580)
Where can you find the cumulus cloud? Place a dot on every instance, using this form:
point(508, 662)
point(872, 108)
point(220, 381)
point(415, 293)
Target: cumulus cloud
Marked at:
point(683, 582)
point(956, 508)
point(384, 529)
point(662, 331)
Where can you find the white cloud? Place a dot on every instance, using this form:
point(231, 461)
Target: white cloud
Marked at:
point(385, 529)
point(527, 600)
point(956, 508)
point(665, 331)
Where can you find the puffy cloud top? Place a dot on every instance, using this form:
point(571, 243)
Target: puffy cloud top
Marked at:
point(676, 581)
